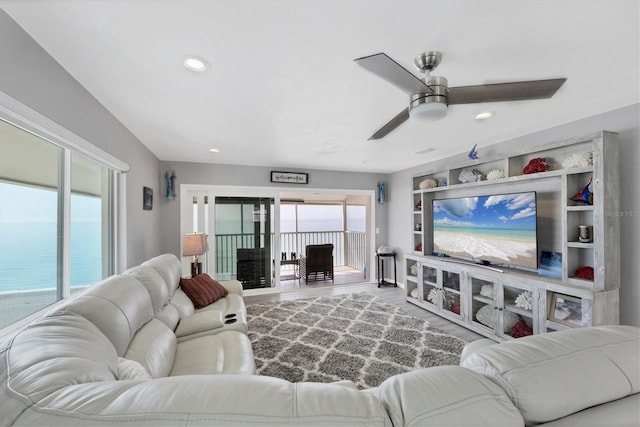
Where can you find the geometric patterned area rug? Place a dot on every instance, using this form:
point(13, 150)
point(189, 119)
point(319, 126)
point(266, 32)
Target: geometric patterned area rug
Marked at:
point(356, 337)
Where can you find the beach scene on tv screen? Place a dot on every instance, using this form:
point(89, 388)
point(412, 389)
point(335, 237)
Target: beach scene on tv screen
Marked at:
point(500, 229)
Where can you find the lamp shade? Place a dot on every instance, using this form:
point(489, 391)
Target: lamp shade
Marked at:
point(194, 244)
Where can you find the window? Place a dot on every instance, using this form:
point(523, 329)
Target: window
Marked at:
point(56, 223)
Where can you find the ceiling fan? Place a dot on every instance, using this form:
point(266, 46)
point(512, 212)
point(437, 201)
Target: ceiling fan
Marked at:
point(430, 98)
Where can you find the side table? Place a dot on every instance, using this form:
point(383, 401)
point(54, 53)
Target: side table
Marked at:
point(380, 269)
point(296, 264)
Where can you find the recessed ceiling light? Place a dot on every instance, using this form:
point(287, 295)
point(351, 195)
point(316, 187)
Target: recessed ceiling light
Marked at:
point(196, 64)
point(214, 150)
point(483, 115)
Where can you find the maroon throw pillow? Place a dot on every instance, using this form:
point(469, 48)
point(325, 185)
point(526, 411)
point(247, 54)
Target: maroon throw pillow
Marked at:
point(202, 290)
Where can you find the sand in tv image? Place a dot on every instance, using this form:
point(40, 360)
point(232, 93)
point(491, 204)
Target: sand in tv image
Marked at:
point(500, 229)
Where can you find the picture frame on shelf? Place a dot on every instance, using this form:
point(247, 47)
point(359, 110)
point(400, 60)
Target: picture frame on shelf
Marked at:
point(566, 310)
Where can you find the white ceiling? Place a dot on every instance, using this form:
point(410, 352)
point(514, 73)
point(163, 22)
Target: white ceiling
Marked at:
point(283, 90)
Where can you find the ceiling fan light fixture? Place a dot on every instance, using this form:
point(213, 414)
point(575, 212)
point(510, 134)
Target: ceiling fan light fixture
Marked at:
point(429, 107)
point(428, 111)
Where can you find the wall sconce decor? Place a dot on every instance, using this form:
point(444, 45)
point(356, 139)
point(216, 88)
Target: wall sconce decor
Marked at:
point(193, 245)
point(147, 198)
point(381, 192)
point(171, 180)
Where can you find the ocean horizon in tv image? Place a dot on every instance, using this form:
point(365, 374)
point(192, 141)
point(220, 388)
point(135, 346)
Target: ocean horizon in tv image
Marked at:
point(500, 229)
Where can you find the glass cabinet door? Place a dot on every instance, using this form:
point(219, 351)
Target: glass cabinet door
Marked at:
point(483, 303)
point(518, 316)
point(451, 292)
point(430, 285)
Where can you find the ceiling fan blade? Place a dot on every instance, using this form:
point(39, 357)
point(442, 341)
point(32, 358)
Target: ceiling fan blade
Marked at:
point(391, 125)
point(514, 91)
point(383, 66)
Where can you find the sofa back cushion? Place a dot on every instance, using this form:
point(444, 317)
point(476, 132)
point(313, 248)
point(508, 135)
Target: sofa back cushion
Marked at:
point(154, 347)
point(169, 316)
point(168, 266)
point(118, 306)
point(182, 304)
point(553, 375)
point(59, 350)
point(154, 283)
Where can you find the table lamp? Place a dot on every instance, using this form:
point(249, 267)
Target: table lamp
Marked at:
point(193, 245)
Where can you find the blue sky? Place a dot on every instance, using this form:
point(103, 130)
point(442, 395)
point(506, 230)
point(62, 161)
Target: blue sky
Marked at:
point(507, 211)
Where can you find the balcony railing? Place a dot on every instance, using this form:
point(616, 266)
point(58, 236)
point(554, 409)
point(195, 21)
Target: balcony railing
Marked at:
point(349, 248)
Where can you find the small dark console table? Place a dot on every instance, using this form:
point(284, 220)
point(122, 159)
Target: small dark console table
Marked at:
point(380, 261)
point(295, 263)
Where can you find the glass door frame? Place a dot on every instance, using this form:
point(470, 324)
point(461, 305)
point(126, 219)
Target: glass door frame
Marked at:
point(213, 191)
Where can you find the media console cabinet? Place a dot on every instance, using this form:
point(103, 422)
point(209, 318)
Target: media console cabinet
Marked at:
point(491, 300)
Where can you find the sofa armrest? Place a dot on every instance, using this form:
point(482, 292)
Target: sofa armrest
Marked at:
point(446, 396)
point(475, 346)
point(550, 376)
point(232, 286)
point(199, 322)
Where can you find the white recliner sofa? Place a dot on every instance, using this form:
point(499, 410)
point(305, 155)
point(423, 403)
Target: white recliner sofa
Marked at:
point(111, 356)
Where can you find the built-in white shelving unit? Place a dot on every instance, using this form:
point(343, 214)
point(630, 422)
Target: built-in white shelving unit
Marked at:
point(484, 299)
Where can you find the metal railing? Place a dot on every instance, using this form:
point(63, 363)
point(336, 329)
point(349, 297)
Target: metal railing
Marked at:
point(349, 248)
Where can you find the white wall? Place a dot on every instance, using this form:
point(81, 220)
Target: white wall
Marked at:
point(30, 75)
point(253, 176)
point(625, 121)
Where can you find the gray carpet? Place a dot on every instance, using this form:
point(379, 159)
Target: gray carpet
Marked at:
point(355, 337)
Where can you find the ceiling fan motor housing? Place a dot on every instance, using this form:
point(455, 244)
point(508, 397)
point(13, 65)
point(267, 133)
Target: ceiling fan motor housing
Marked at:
point(440, 94)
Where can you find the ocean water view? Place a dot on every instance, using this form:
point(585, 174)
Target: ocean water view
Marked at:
point(28, 255)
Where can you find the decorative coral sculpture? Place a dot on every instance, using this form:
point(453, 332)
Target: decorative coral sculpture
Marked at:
point(525, 300)
point(413, 269)
point(578, 160)
point(521, 329)
point(432, 297)
point(536, 165)
point(495, 174)
point(486, 291)
point(428, 183)
point(468, 175)
point(585, 273)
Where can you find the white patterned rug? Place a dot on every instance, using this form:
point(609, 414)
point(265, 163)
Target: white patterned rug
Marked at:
point(355, 337)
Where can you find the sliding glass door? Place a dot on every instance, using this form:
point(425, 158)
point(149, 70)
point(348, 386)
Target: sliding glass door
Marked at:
point(244, 240)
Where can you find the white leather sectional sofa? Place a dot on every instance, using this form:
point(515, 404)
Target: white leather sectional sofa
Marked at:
point(132, 350)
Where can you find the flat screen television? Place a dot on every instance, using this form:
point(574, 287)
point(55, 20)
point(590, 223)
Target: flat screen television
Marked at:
point(495, 229)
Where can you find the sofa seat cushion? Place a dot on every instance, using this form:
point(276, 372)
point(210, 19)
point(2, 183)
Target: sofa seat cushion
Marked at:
point(553, 375)
point(202, 290)
point(228, 352)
